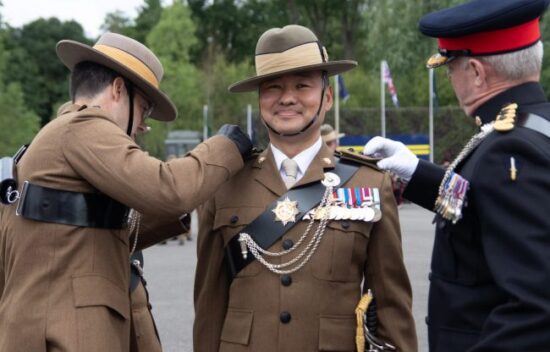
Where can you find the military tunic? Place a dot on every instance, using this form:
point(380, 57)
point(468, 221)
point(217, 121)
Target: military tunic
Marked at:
point(65, 288)
point(311, 309)
point(491, 270)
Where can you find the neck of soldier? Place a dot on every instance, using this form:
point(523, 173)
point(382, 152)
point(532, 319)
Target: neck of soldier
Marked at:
point(294, 145)
point(493, 88)
point(118, 110)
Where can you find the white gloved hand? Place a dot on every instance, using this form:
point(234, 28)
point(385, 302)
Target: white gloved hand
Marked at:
point(397, 158)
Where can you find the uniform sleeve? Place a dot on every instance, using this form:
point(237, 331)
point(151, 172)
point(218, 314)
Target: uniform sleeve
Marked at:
point(515, 230)
point(211, 291)
point(387, 277)
point(423, 187)
point(112, 163)
point(153, 229)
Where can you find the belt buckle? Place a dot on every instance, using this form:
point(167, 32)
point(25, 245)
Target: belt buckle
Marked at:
point(22, 198)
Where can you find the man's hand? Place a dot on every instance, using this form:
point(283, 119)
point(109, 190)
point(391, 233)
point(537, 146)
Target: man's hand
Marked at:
point(238, 137)
point(397, 158)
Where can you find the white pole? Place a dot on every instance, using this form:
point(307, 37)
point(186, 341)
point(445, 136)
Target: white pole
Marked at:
point(249, 120)
point(431, 113)
point(337, 106)
point(382, 101)
point(204, 122)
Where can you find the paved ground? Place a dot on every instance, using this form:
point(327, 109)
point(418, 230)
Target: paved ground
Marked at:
point(170, 270)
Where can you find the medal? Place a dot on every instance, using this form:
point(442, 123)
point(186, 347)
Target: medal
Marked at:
point(286, 211)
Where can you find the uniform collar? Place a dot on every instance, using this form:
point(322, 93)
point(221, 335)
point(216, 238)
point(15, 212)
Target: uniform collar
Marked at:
point(267, 172)
point(70, 108)
point(523, 94)
point(303, 159)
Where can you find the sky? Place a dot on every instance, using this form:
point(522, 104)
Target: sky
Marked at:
point(89, 13)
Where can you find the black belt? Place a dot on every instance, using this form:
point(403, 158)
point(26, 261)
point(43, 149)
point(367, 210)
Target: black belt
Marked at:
point(265, 232)
point(71, 208)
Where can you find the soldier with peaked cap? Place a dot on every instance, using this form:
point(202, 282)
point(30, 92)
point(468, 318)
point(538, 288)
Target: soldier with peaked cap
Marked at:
point(323, 248)
point(65, 243)
point(490, 264)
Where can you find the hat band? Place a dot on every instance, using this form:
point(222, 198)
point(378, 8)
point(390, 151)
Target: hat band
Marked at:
point(493, 42)
point(130, 62)
point(299, 56)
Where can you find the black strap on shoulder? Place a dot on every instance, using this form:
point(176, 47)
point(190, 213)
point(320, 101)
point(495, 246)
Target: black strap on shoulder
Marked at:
point(535, 123)
point(265, 231)
point(71, 208)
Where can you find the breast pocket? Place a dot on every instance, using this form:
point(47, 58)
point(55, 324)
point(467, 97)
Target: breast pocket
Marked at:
point(457, 254)
point(229, 222)
point(342, 253)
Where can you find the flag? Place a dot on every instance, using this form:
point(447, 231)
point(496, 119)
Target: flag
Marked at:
point(344, 94)
point(389, 82)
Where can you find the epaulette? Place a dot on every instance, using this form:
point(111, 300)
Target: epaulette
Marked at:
point(357, 158)
point(506, 118)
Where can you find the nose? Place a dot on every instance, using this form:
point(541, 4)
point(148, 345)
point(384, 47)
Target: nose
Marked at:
point(288, 97)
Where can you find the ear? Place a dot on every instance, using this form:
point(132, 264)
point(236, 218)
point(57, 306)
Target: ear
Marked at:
point(117, 89)
point(479, 72)
point(328, 98)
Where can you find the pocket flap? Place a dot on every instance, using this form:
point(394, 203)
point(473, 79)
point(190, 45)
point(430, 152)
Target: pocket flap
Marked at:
point(337, 333)
point(94, 290)
point(236, 216)
point(237, 326)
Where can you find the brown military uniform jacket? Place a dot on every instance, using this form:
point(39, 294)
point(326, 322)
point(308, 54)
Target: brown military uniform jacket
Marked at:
point(313, 308)
point(65, 288)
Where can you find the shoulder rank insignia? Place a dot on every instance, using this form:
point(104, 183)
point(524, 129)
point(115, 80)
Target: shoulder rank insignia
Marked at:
point(506, 118)
point(358, 158)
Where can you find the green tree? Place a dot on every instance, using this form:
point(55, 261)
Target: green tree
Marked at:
point(171, 40)
point(34, 64)
point(19, 123)
point(118, 22)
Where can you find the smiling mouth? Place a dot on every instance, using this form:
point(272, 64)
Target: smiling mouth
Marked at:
point(287, 113)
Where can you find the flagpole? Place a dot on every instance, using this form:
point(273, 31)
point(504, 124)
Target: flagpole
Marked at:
point(337, 105)
point(431, 113)
point(382, 101)
point(249, 120)
point(204, 122)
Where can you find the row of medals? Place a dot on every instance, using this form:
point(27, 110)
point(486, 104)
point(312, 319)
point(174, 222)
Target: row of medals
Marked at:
point(286, 210)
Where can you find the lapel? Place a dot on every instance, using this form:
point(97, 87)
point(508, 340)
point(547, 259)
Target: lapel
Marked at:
point(267, 173)
point(323, 161)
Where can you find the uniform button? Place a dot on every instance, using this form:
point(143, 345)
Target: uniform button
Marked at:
point(430, 276)
point(345, 225)
point(286, 280)
point(441, 224)
point(285, 317)
point(287, 244)
point(427, 320)
point(234, 219)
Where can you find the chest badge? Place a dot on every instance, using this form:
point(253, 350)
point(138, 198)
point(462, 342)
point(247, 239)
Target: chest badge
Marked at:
point(286, 211)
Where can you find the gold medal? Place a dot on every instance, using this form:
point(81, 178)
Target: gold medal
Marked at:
point(286, 211)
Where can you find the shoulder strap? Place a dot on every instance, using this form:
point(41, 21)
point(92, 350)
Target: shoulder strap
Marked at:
point(265, 232)
point(535, 123)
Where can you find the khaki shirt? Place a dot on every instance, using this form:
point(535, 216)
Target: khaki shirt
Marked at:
point(322, 295)
point(66, 287)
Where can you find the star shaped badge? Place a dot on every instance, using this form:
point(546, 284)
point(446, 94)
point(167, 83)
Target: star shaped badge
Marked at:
point(286, 211)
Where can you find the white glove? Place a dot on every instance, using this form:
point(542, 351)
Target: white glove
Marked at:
point(397, 158)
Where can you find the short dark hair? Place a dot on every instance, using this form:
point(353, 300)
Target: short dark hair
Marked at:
point(89, 78)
